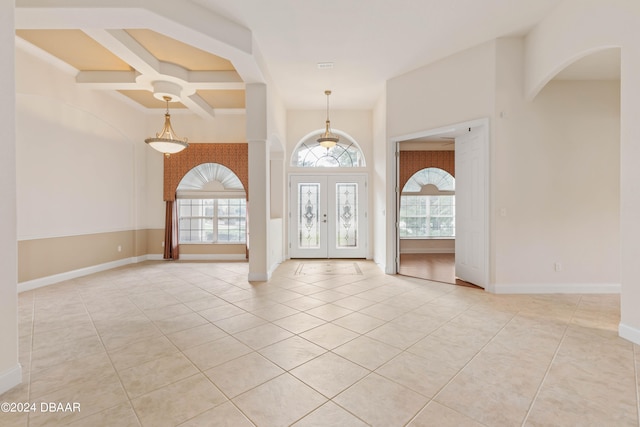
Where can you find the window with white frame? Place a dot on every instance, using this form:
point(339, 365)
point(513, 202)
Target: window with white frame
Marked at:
point(345, 154)
point(427, 205)
point(212, 206)
point(212, 220)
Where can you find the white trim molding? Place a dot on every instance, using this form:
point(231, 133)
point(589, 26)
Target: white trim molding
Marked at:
point(212, 257)
point(428, 251)
point(11, 378)
point(73, 274)
point(629, 333)
point(556, 288)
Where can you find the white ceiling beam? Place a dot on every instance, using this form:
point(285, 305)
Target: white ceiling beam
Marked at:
point(198, 105)
point(121, 44)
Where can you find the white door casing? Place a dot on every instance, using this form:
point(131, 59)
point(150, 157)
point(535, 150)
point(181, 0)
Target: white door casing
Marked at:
point(328, 216)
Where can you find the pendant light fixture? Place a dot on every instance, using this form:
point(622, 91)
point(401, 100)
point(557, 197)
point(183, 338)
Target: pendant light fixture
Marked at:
point(167, 142)
point(328, 139)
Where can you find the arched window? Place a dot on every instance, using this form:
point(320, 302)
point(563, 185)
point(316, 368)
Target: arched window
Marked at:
point(212, 206)
point(345, 154)
point(427, 205)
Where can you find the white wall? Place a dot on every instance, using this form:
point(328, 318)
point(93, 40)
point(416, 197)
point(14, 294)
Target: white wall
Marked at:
point(75, 155)
point(456, 89)
point(558, 184)
point(10, 371)
point(573, 30)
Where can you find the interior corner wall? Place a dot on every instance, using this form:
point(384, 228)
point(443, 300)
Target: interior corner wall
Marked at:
point(10, 372)
point(574, 29)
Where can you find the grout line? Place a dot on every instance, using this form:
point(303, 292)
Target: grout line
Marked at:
point(555, 354)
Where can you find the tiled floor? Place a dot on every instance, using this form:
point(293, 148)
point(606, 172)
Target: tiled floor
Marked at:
point(322, 344)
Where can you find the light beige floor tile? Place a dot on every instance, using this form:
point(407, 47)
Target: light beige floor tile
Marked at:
point(263, 335)
point(416, 373)
point(205, 303)
point(71, 332)
point(275, 312)
point(68, 373)
point(354, 303)
point(367, 352)
point(329, 374)
point(396, 335)
point(381, 402)
point(329, 312)
point(239, 323)
point(329, 335)
point(332, 415)
point(507, 391)
point(129, 334)
point(141, 352)
point(242, 374)
point(358, 322)
point(441, 352)
point(178, 402)
point(65, 351)
point(196, 336)
point(180, 323)
point(435, 414)
point(214, 353)
point(279, 402)
point(383, 311)
point(167, 312)
point(155, 374)
point(122, 415)
point(329, 296)
point(221, 312)
point(299, 323)
point(304, 303)
point(225, 415)
point(94, 393)
point(292, 352)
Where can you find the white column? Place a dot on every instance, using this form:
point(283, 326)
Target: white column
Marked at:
point(10, 370)
point(256, 106)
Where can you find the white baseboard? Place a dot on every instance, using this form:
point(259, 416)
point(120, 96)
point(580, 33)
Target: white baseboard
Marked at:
point(213, 257)
point(68, 275)
point(556, 288)
point(10, 378)
point(629, 333)
point(428, 251)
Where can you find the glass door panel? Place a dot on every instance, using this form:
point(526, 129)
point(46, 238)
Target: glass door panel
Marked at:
point(327, 216)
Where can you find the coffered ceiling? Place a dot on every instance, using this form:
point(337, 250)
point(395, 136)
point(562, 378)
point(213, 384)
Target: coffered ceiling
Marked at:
point(141, 63)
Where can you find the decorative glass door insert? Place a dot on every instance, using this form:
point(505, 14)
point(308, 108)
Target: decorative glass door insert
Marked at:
point(327, 216)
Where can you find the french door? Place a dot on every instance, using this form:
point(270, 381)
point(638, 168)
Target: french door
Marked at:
point(327, 216)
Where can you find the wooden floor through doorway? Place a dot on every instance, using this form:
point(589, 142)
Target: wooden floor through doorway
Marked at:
point(436, 267)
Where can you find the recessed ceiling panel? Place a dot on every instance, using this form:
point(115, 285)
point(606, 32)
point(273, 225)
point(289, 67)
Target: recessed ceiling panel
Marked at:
point(223, 98)
point(170, 50)
point(75, 48)
point(146, 99)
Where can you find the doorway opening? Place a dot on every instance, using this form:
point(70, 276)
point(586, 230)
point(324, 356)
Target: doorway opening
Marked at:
point(447, 240)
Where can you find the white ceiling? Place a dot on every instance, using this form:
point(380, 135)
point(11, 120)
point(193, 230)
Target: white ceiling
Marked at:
point(369, 41)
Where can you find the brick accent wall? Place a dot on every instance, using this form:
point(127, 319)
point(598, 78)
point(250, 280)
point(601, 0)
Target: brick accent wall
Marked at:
point(413, 161)
point(234, 156)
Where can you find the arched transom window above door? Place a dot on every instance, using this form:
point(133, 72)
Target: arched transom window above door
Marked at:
point(345, 154)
